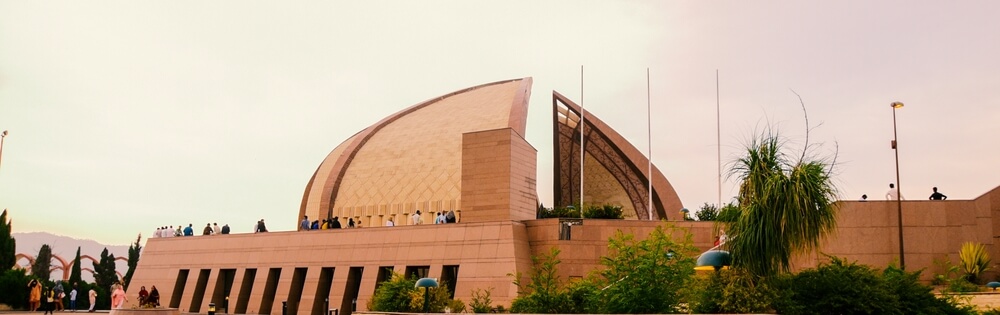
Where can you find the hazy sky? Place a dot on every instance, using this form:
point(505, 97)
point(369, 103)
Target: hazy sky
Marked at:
point(128, 115)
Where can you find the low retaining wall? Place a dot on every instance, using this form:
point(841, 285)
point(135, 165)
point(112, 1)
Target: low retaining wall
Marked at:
point(145, 311)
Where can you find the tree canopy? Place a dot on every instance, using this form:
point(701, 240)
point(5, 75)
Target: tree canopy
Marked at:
point(786, 206)
point(133, 260)
point(7, 244)
point(42, 267)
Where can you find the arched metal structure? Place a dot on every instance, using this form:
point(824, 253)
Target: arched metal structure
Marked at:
point(66, 267)
point(619, 161)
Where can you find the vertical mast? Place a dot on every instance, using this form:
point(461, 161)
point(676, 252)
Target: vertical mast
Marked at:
point(649, 148)
point(582, 123)
point(718, 136)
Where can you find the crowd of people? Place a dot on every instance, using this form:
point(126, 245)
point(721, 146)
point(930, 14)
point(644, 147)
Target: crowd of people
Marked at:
point(893, 194)
point(50, 299)
point(210, 229)
point(442, 217)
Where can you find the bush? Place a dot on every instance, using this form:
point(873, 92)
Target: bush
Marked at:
point(731, 291)
point(542, 294)
point(840, 287)
point(455, 306)
point(974, 260)
point(644, 276)
point(604, 212)
point(13, 292)
point(438, 299)
point(916, 298)
point(559, 212)
point(393, 295)
point(584, 297)
point(481, 301)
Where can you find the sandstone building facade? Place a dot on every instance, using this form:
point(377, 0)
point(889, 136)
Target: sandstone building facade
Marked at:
point(465, 152)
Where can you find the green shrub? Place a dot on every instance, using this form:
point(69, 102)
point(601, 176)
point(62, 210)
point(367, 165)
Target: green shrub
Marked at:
point(584, 297)
point(393, 295)
point(542, 294)
point(708, 212)
point(839, 287)
point(13, 284)
point(961, 285)
point(455, 306)
point(643, 277)
point(560, 212)
point(603, 212)
point(974, 260)
point(481, 301)
point(916, 298)
point(836, 287)
point(730, 291)
point(439, 299)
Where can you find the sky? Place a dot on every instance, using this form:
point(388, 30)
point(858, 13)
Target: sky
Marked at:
point(124, 116)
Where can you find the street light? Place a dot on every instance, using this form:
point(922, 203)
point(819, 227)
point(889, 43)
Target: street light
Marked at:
point(899, 190)
point(2, 135)
point(427, 284)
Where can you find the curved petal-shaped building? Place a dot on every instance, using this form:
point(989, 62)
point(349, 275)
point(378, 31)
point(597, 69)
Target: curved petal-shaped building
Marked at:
point(615, 172)
point(413, 159)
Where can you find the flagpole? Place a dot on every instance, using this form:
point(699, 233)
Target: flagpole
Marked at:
point(582, 124)
point(649, 148)
point(718, 136)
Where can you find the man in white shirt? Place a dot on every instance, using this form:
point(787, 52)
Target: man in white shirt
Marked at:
point(390, 223)
point(416, 218)
point(893, 193)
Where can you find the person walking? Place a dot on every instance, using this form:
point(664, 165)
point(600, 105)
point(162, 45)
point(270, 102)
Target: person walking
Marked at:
point(893, 193)
point(58, 295)
point(416, 218)
point(304, 225)
point(48, 300)
point(937, 196)
point(93, 299)
point(34, 295)
point(118, 297)
point(72, 299)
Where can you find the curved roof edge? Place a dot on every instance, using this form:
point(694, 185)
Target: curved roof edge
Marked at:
point(517, 121)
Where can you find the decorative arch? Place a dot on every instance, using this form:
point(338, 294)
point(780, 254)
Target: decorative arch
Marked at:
point(626, 164)
point(66, 267)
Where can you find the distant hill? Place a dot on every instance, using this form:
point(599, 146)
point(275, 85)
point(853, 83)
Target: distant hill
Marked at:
point(65, 247)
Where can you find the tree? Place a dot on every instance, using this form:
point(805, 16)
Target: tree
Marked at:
point(104, 272)
point(643, 276)
point(133, 260)
point(76, 274)
point(708, 212)
point(542, 294)
point(786, 206)
point(13, 292)
point(393, 295)
point(42, 267)
point(7, 244)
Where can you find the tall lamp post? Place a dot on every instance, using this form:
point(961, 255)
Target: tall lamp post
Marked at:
point(899, 193)
point(2, 135)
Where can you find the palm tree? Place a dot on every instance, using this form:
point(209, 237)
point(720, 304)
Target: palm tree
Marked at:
point(786, 206)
